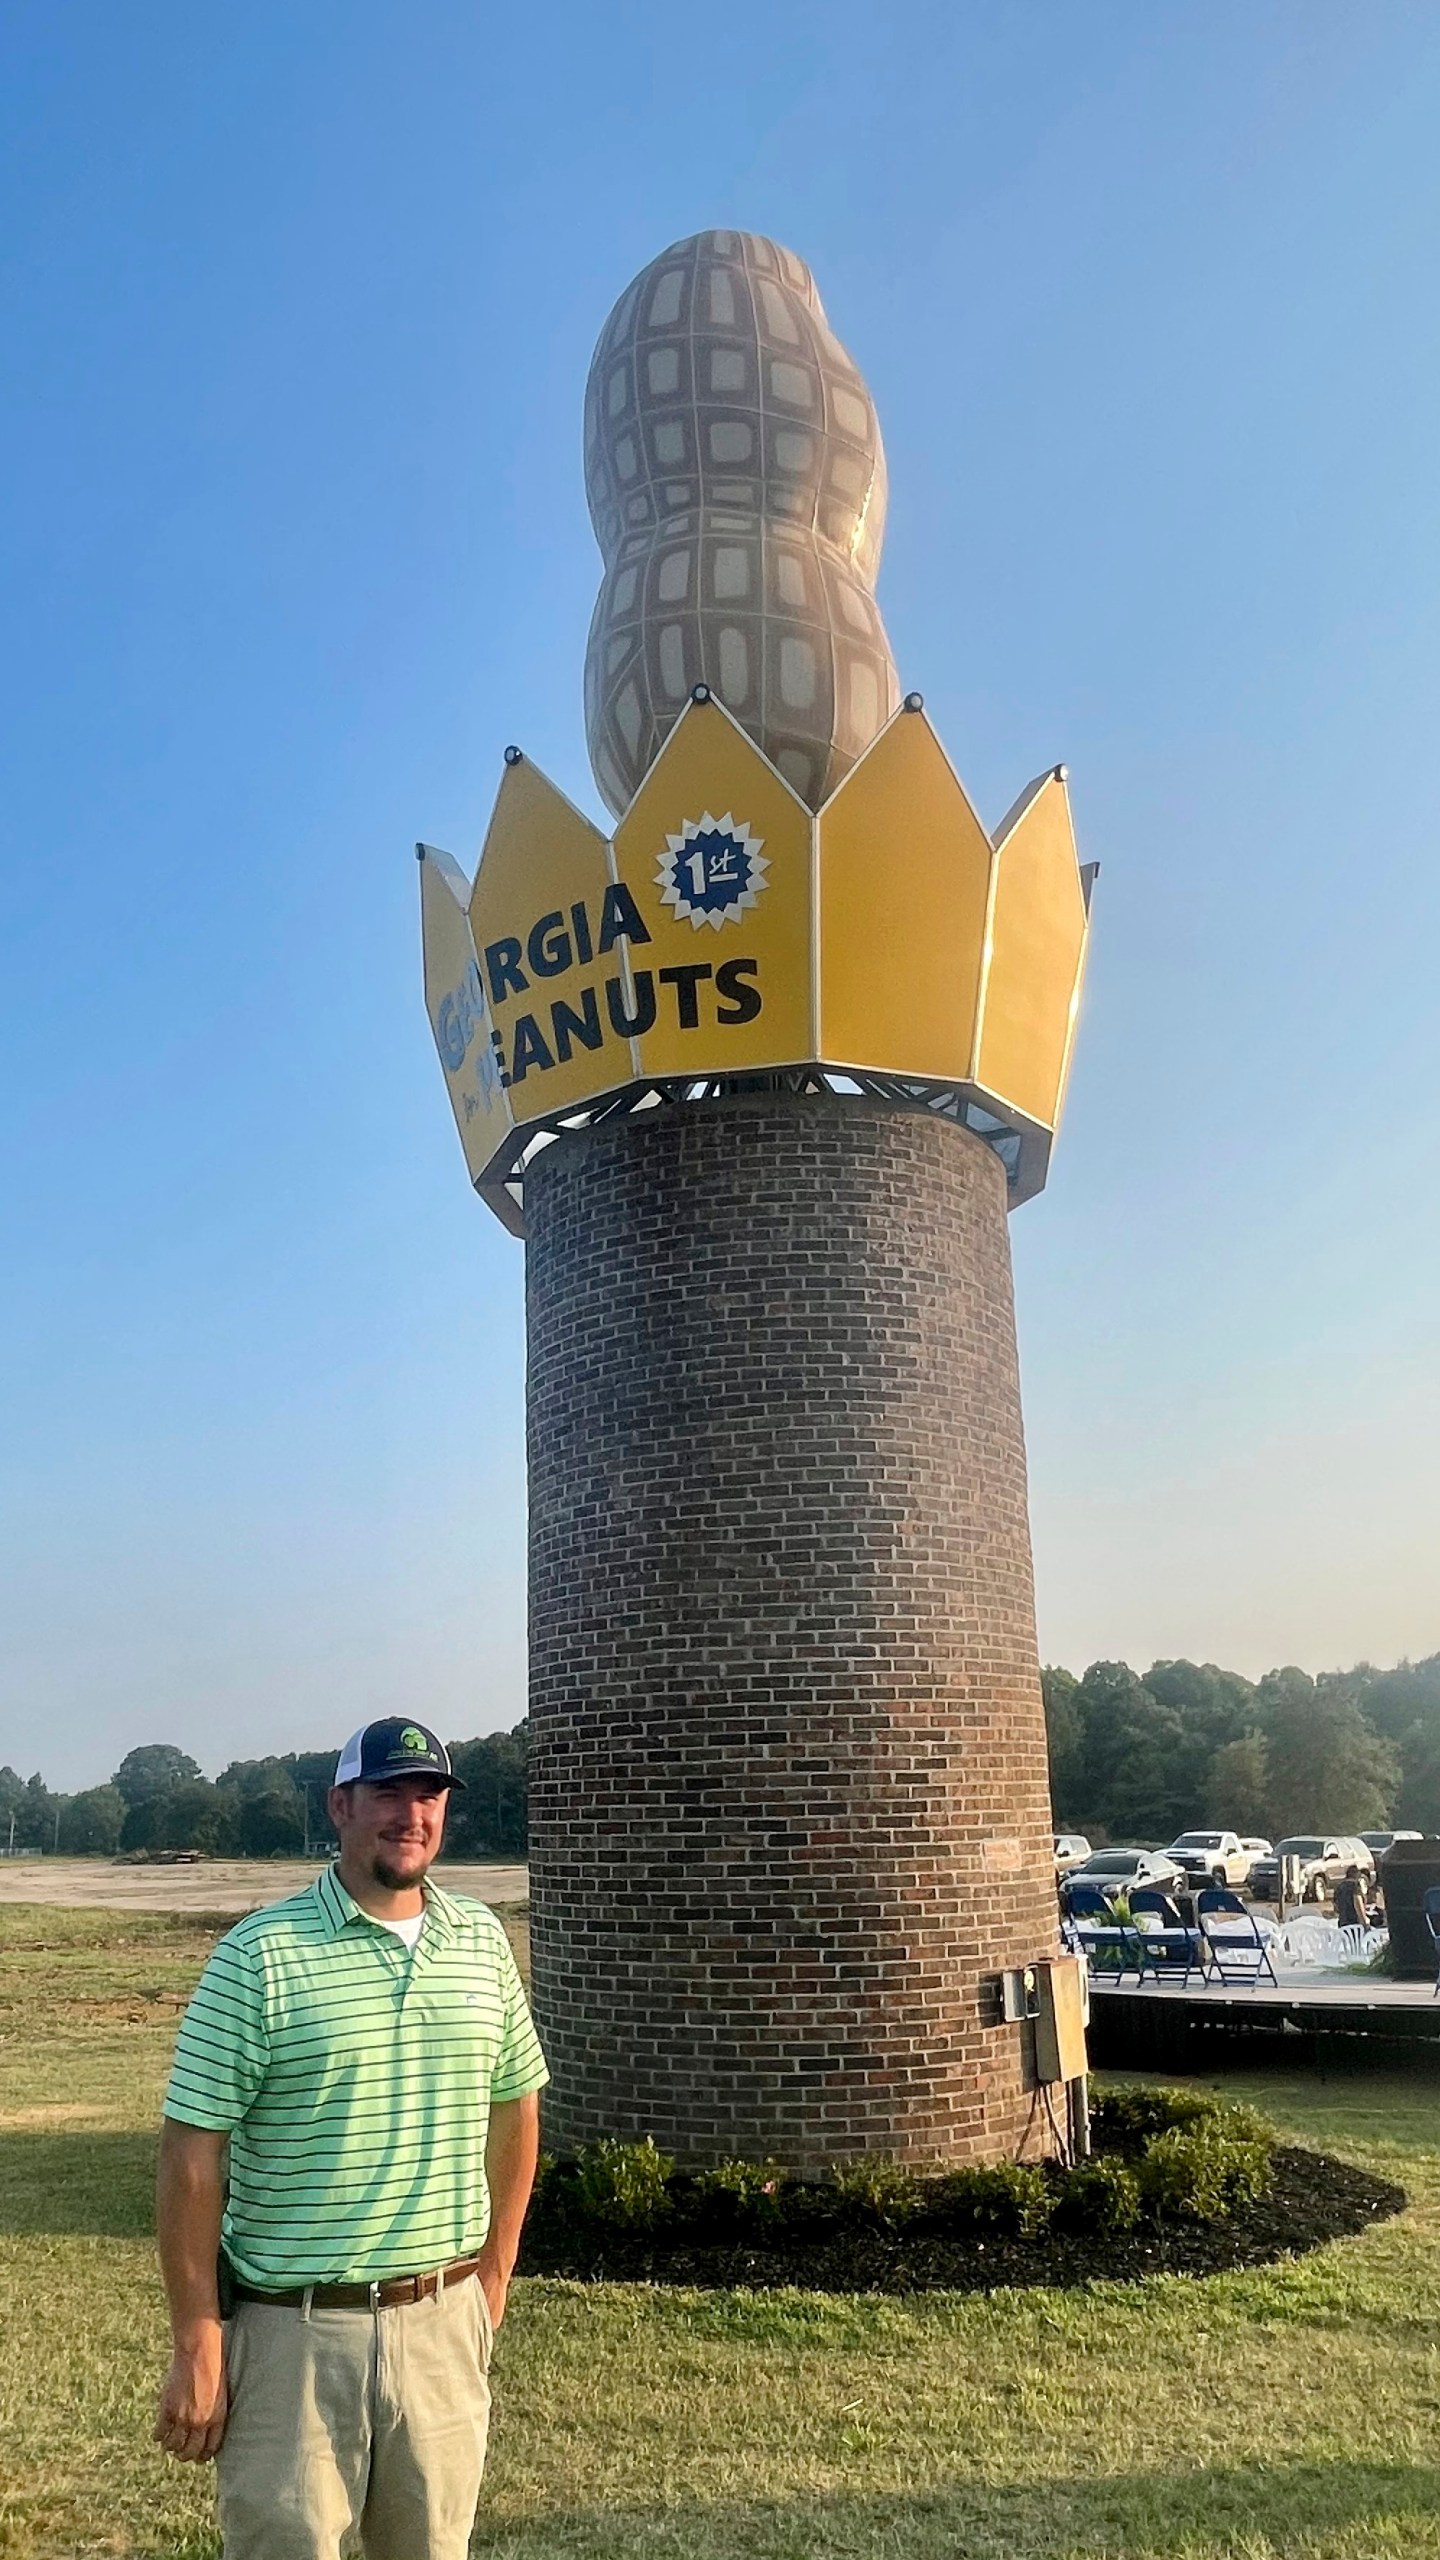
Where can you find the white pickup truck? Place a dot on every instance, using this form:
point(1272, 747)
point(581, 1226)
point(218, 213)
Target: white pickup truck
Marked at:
point(1211, 1857)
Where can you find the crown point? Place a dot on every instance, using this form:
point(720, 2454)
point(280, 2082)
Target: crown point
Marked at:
point(700, 693)
point(514, 755)
point(914, 701)
point(1062, 773)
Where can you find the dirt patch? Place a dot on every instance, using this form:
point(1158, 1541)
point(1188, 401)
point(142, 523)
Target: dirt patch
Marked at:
point(228, 1886)
point(125, 2008)
point(1313, 2199)
point(43, 2119)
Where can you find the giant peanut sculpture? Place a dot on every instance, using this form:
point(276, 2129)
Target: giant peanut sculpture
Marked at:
point(737, 487)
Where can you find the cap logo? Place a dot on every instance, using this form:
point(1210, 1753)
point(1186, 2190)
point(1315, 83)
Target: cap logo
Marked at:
point(412, 1739)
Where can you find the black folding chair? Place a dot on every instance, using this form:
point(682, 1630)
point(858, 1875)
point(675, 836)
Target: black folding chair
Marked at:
point(1170, 1946)
point(1238, 1952)
point(1097, 1928)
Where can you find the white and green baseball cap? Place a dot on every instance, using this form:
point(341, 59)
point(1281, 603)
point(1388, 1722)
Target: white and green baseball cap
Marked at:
point(393, 1747)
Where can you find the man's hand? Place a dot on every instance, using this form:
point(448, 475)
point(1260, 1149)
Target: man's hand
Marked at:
point(190, 2190)
point(194, 2403)
point(495, 2285)
point(511, 2150)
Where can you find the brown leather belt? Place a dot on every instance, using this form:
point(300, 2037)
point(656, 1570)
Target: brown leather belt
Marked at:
point(364, 2297)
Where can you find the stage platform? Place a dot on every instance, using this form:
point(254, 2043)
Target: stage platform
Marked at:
point(1334, 2019)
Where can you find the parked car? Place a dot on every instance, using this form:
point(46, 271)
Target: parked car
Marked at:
point(1211, 1857)
point(1322, 1861)
point(1255, 1848)
point(1116, 1870)
point(1377, 1842)
point(1071, 1850)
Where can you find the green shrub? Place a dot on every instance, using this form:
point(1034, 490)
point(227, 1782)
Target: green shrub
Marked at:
point(1099, 2194)
point(1012, 2197)
point(740, 2196)
point(1126, 2120)
point(877, 2189)
point(1243, 2124)
point(1162, 2155)
point(624, 2184)
point(1191, 2158)
point(1201, 2172)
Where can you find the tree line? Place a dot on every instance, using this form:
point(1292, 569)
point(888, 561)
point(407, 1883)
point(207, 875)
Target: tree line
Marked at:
point(1139, 1759)
point(160, 1799)
point(1131, 1758)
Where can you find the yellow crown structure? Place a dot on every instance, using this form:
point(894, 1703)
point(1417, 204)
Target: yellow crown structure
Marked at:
point(728, 936)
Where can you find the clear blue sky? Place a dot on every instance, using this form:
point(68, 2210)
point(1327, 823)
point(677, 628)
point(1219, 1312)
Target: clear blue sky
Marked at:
point(298, 306)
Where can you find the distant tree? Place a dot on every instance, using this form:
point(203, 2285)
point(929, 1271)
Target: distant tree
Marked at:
point(1133, 1777)
point(267, 1809)
point(1214, 1701)
point(489, 1819)
point(1395, 1700)
point(255, 1777)
point(193, 1815)
point(312, 1773)
point(37, 1815)
point(1064, 1737)
point(1404, 1706)
point(151, 1770)
point(1329, 1770)
point(272, 1824)
point(1237, 1785)
point(312, 1768)
point(91, 1823)
point(1417, 1807)
point(142, 1826)
point(12, 1788)
point(1214, 1707)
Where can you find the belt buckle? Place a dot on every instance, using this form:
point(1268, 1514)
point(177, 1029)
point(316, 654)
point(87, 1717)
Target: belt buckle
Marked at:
point(375, 2296)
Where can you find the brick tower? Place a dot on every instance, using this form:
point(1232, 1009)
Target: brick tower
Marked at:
point(759, 1089)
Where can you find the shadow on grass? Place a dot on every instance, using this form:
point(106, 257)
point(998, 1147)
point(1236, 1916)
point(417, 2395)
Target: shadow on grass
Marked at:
point(1281, 2510)
point(102, 2184)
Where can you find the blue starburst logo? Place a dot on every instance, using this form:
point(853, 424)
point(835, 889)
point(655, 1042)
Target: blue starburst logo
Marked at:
point(712, 871)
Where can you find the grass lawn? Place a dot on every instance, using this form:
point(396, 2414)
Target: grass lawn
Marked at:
point(1287, 2414)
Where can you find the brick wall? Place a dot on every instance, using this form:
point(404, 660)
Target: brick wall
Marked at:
point(789, 1809)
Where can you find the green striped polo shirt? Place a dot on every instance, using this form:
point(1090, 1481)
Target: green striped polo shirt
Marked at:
point(355, 2081)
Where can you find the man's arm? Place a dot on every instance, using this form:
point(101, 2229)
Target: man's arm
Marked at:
point(189, 2199)
point(511, 2151)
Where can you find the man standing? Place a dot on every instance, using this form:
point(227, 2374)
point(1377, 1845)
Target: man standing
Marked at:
point(366, 2052)
point(1351, 1909)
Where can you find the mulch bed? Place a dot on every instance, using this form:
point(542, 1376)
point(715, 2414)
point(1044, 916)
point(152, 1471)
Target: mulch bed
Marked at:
point(1313, 2199)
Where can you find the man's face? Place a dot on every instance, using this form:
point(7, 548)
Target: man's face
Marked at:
point(390, 1829)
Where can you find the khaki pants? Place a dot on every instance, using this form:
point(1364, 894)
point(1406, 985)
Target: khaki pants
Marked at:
point(355, 2431)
